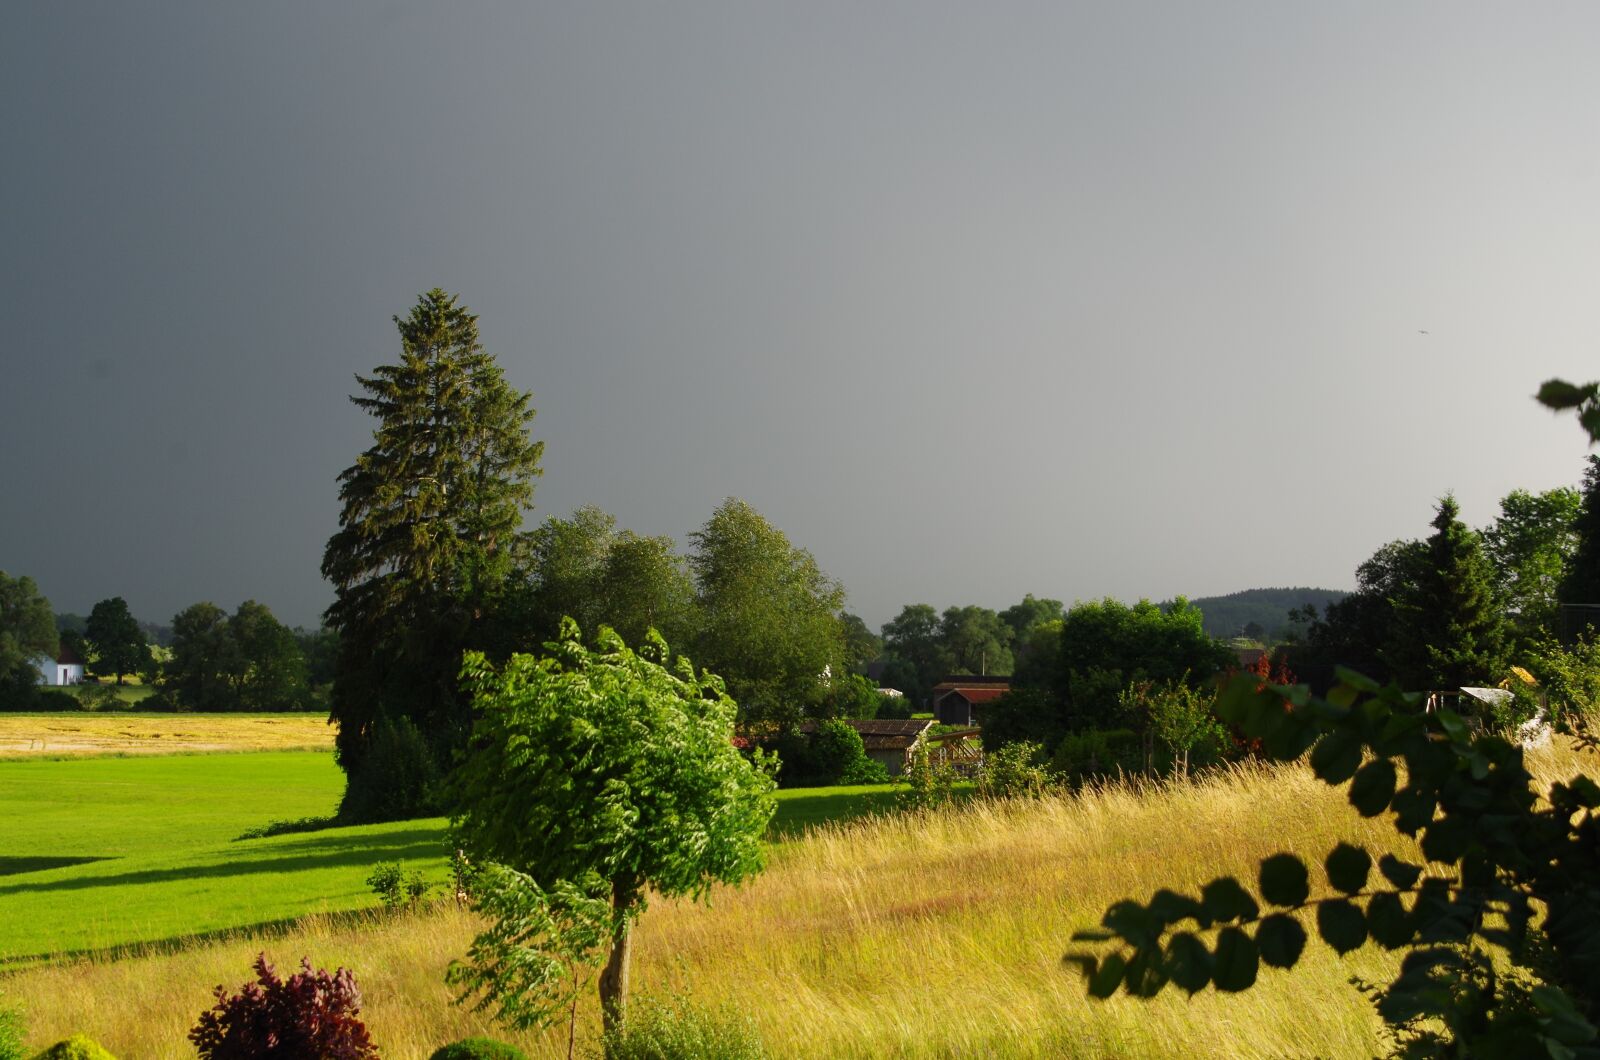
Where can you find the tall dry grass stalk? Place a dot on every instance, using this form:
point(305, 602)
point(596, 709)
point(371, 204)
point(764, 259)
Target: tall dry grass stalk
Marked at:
point(924, 935)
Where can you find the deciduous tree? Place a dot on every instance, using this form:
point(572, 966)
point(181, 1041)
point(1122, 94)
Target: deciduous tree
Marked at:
point(598, 776)
point(116, 639)
point(27, 631)
point(1531, 545)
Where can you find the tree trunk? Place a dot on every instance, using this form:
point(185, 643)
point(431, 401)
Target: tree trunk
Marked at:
point(614, 977)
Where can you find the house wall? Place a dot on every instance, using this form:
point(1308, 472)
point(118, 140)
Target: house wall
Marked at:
point(56, 674)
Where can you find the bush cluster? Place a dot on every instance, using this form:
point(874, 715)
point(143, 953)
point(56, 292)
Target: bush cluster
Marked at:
point(311, 1013)
point(675, 1028)
point(478, 1049)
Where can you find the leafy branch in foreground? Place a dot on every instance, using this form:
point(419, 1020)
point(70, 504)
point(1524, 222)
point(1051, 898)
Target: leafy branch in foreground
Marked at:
point(1497, 858)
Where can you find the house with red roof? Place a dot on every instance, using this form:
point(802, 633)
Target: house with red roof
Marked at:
point(958, 700)
point(65, 669)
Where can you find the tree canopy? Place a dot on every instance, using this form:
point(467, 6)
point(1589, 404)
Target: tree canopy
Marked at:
point(1107, 645)
point(1451, 630)
point(247, 661)
point(429, 529)
point(27, 631)
point(602, 775)
point(116, 639)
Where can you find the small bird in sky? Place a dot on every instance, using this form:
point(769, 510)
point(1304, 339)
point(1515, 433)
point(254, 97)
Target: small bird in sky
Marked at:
point(1421, 332)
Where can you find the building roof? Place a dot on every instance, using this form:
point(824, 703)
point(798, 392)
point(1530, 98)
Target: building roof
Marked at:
point(885, 734)
point(67, 657)
point(972, 695)
point(973, 681)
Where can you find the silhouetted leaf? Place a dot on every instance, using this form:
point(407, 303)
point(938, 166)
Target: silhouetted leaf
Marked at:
point(1348, 867)
point(1133, 922)
point(1188, 962)
point(1413, 809)
point(1559, 394)
point(1284, 880)
point(1373, 787)
point(1359, 681)
point(1446, 839)
point(1104, 982)
point(1236, 961)
point(1387, 921)
point(1341, 925)
point(1337, 756)
point(1169, 907)
point(1562, 1020)
point(1454, 725)
point(1225, 900)
point(1281, 940)
point(1402, 874)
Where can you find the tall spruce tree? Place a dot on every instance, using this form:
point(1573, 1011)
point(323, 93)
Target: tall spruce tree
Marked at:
point(1451, 629)
point(1580, 589)
point(430, 528)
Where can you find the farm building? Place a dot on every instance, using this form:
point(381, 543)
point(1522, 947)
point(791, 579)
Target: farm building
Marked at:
point(956, 699)
point(888, 740)
point(65, 669)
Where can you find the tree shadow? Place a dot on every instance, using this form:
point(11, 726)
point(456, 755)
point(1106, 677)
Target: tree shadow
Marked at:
point(19, 865)
point(328, 852)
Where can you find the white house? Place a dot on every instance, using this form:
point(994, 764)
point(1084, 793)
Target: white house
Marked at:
point(65, 669)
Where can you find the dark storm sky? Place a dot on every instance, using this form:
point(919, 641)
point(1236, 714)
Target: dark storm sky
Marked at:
point(971, 300)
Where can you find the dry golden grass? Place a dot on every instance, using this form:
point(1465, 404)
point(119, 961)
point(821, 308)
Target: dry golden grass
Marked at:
point(909, 936)
point(72, 734)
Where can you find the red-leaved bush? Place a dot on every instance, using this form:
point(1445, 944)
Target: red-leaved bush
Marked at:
point(310, 1014)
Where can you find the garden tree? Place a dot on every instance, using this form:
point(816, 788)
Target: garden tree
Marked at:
point(114, 635)
point(270, 672)
point(1039, 657)
point(975, 640)
point(320, 649)
point(1580, 587)
point(768, 615)
point(1031, 613)
point(847, 695)
point(1359, 630)
point(1107, 646)
point(247, 661)
point(861, 645)
point(593, 778)
point(1530, 545)
point(568, 557)
point(198, 674)
point(644, 584)
point(27, 631)
point(1450, 629)
point(912, 639)
point(1175, 715)
point(429, 530)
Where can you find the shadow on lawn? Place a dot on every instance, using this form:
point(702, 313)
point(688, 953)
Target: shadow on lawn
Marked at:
point(330, 852)
point(20, 865)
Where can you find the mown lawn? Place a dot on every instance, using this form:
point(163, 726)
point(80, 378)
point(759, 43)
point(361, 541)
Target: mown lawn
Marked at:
point(103, 852)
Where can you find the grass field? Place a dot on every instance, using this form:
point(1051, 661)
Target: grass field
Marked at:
point(72, 733)
point(917, 935)
point(100, 852)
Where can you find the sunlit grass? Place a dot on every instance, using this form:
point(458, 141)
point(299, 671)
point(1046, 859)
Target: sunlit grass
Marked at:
point(73, 733)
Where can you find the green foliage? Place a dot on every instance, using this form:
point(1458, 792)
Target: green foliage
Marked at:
point(1530, 545)
point(27, 631)
point(13, 1029)
point(1581, 584)
point(861, 645)
point(930, 784)
point(1107, 646)
point(540, 950)
point(975, 641)
point(917, 657)
point(769, 615)
point(1451, 628)
point(1496, 854)
point(429, 531)
point(1022, 715)
point(1261, 614)
point(675, 1028)
point(397, 779)
point(397, 888)
point(1359, 630)
point(478, 1049)
point(77, 1047)
point(605, 769)
point(1094, 754)
point(248, 661)
point(1568, 676)
point(1178, 716)
point(829, 752)
point(1014, 771)
point(117, 641)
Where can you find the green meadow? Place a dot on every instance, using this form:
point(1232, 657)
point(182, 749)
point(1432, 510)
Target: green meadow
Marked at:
point(99, 853)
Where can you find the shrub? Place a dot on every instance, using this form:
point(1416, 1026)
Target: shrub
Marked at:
point(309, 1014)
point(835, 749)
point(396, 887)
point(866, 771)
point(478, 1049)
point(397, 777)
point(77, 1047)
point(1014, 770)
point(678, 1029)
point(1091, 754)
point(929, 784)
point(12, 1029)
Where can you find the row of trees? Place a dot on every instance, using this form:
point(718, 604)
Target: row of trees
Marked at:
point(431, 561)
point(1462, 606)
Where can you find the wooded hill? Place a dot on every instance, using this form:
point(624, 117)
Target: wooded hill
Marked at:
point(1227, 616)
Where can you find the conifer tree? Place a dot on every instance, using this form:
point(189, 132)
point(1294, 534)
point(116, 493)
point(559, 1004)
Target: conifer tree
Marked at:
point(1451, 627)
point(1581, 586)
point(430, 528)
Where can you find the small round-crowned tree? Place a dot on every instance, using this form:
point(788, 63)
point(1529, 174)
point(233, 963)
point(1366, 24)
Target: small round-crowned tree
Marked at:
point(595, 774)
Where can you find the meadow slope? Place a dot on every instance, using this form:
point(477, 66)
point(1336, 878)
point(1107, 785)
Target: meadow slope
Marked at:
point(914, 935)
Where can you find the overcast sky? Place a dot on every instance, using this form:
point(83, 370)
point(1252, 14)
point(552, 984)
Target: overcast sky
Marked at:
point(971, 300)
